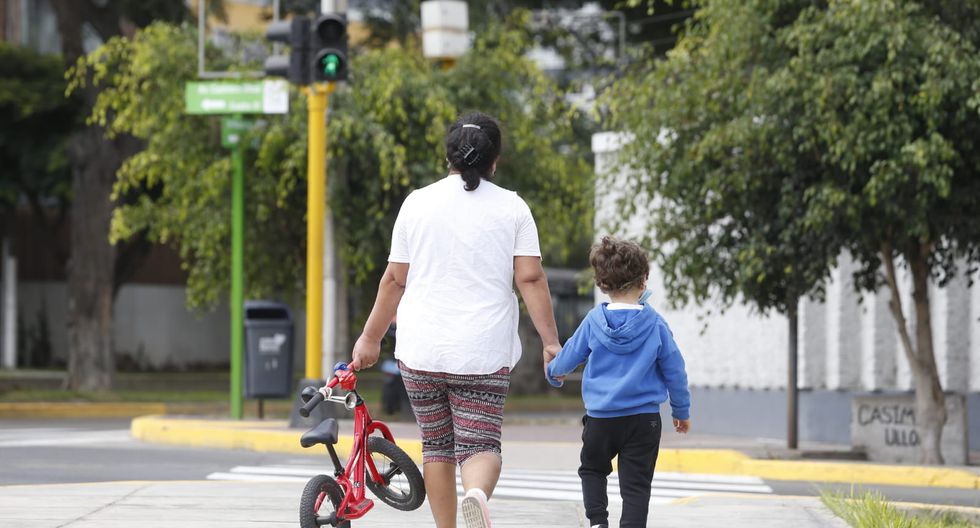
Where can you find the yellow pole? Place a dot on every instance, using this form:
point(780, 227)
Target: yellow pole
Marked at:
point(316, 202)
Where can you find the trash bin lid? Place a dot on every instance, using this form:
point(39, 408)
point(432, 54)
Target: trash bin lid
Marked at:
point(267, 310)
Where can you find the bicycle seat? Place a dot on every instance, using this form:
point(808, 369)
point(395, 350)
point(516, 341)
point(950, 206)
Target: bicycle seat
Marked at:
point(325, 433)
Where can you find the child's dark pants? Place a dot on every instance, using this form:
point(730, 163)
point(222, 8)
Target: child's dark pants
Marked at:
point(636, 439)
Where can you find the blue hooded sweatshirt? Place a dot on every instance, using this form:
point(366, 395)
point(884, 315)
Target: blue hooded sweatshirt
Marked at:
point(631, 364)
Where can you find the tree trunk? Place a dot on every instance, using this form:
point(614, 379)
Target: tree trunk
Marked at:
point(930, 403)
point(792, 384)
point(91, 266)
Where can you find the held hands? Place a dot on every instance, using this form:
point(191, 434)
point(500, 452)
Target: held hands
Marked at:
point(549, 353)
point(682, 426)
point(366, 352)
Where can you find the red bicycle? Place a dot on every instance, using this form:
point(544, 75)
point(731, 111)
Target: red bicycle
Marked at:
point(375, 462)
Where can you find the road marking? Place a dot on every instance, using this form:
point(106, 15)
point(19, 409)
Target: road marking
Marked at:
point(538, 485)
point(63, 437)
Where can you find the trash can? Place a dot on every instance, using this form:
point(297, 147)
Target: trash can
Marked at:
point(268, 350)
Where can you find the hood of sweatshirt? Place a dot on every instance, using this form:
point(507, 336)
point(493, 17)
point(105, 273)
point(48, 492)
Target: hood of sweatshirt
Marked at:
point(619, 330)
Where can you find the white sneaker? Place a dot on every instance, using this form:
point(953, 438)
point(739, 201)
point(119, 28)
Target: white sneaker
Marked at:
point(476, 514)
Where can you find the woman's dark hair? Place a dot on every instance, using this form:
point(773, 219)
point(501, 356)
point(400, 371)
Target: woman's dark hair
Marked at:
point(472, 145)
point(619, 265)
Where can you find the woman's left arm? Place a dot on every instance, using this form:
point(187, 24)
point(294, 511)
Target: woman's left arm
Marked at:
point(390, 291)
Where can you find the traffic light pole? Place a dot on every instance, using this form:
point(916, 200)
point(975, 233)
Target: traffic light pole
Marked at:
point(316, 198)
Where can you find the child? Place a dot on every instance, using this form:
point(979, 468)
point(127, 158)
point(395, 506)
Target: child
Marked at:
point(631, 366)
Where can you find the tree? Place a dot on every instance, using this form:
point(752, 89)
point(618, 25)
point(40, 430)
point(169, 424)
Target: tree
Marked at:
point(885, 96)
point(97, 268)
point(385, 138)
point(781, 133)
point(175, 190)
point(725, 178)
point(92, 261)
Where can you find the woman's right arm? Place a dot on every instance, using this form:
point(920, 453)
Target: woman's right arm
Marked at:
point(533, 284)
point(390, 291)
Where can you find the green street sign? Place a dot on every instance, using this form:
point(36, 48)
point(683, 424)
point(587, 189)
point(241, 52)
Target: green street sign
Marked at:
point(270, 96)
point(232, 130)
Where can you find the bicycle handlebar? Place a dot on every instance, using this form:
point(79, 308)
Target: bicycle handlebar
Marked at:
point(323, 393)
point(304, 411)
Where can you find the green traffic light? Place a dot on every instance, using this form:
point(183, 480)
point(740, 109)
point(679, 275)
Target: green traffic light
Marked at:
point(331, 63)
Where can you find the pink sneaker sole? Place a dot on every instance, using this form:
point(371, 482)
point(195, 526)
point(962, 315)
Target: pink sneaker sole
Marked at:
point(475, 512)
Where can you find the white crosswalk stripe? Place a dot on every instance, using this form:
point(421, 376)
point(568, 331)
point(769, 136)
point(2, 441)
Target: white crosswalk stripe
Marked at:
point(50, 436)
point(540, 484)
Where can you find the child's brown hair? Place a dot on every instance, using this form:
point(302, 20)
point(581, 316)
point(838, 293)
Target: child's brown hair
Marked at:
point(619, 265)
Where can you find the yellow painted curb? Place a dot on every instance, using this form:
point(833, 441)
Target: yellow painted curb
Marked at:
point(265, 436)
point(731, 462)
point(79, 409)
point(272, 436)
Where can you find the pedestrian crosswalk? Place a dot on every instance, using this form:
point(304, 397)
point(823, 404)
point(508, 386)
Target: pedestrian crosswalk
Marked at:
point(60, 436)
point(556, 485)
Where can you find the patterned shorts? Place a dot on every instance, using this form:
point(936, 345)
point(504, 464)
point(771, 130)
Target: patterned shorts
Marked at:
point(459, 414)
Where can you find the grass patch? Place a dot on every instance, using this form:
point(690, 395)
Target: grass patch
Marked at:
point(872, 510)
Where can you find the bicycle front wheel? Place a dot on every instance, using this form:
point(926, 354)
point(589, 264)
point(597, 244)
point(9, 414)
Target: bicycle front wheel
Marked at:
point(402, 487)
point(318, 506)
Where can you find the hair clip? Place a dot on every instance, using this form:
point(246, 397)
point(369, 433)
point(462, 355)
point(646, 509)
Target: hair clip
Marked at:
point(471, 125)
point(467, 151)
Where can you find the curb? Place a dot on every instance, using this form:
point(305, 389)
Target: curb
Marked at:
point(731, 462)
point(262, 436)
point(266, 436)
point(30, 410)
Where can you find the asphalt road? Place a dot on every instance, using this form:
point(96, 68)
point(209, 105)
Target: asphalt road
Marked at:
point(75, 451)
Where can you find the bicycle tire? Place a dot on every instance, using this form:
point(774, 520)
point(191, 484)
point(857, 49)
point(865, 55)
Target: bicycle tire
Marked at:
point(308, 512)
point(402, 464)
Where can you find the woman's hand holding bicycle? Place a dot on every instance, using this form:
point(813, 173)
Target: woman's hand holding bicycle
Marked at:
point(366, 352)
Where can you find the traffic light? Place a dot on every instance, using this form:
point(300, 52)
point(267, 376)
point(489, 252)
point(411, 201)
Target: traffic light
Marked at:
point(328, 48)
point(296, 34)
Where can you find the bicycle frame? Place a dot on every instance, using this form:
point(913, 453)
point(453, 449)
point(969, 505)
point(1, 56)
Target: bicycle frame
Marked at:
point(352, 477)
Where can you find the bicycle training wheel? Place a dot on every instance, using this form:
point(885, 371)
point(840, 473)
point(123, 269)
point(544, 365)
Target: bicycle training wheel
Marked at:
point(404, 488)
point(321, 497)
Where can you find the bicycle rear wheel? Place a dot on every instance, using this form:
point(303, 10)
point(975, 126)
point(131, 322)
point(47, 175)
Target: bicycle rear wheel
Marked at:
point(403, 487)
point(321, 497)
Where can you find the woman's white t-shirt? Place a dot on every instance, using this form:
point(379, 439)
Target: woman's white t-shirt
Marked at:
point(459, 311)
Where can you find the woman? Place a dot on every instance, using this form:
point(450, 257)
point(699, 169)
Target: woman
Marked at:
point(458, 247)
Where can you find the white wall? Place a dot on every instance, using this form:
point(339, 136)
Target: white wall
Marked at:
point(735, 349)
point(152, 324)
point(846, 343)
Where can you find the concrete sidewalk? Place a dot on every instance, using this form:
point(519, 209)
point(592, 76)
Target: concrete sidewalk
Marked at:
point(523, 446)
point(197, 504)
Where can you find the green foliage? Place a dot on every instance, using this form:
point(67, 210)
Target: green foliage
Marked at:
point(728, 183)
point(35, 121)
point(177, 189)
point(779, 132)
point(387, 131)
point(384, 138)
point(884, 94)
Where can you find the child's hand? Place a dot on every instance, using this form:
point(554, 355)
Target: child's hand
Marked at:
point(549, 353)
point(682, 426)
